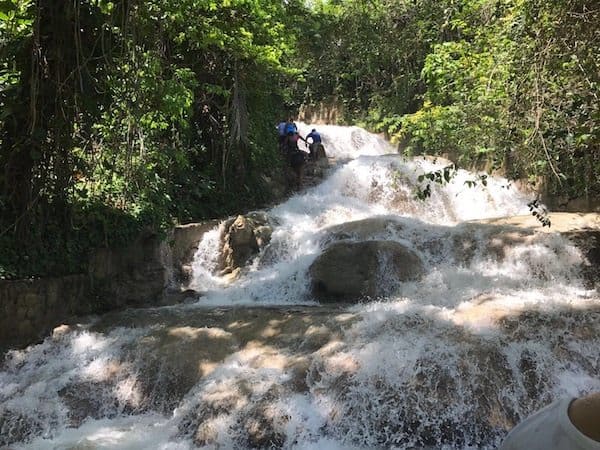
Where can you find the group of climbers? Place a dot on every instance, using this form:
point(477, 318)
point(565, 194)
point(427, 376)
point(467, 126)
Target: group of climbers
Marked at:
point(288, 146)
point(289, 137)
point(291, 152)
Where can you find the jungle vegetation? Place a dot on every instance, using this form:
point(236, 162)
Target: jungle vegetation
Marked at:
point(128, 115)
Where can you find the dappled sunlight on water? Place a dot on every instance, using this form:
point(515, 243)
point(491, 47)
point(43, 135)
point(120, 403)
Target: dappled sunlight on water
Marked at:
point(500, 324)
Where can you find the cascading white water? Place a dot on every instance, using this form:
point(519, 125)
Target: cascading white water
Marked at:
point(497, 327)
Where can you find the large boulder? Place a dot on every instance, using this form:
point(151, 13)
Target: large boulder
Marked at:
point(351, 271)
point(365, 229)
point(242, 238)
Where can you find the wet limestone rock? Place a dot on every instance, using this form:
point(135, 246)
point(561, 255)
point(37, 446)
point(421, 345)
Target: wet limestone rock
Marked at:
point(242, 238)
point(364, 229)
point(184, 243)
point(351, 271)
point(582, 229)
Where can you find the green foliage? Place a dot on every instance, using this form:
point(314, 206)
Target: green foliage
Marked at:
point(15, 27)
point(503, 84)
point(369, 55)
point(539, 212)
point(441, 177)
point(165, 112)
point(117, 116)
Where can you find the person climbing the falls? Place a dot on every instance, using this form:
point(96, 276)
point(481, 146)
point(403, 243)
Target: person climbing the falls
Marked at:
point(291, 138)
point(290, 127)
point(295, 157)
point(284, 129)
point(315, 144)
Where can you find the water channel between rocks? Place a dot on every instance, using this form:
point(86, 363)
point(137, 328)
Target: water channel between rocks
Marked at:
point(498, 323)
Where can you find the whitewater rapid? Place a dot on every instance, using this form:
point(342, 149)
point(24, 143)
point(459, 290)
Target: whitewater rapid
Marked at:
point(452, 360)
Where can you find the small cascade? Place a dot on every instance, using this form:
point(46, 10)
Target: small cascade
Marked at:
point(499, 324)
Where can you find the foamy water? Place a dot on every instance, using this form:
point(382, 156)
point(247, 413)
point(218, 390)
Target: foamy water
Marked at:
point(499, 325)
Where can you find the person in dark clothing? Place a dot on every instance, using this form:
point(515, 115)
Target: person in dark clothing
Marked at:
point(296, 157)
point(314, 134)
point(315, 143)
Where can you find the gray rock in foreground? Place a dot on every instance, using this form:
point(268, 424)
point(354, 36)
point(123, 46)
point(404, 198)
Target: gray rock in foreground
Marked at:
point(351, 271)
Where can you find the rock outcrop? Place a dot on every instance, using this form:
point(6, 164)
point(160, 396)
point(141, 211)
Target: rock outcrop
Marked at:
point(242, 238)
point(184, 243)
point(138, 274)
point(131, 276)
point(582, 229)
point(348, 269)
point(351, 271)
point(364, 229)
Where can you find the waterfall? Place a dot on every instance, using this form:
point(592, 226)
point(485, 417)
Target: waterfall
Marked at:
point(499, 325)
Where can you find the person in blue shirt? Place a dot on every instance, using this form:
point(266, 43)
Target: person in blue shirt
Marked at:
point(314, 145)
point(290, 127)
point(282, 135)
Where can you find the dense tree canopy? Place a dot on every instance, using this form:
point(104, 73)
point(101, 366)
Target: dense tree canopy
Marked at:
point(514, 83)
point(118, 115)
point(127, 114)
